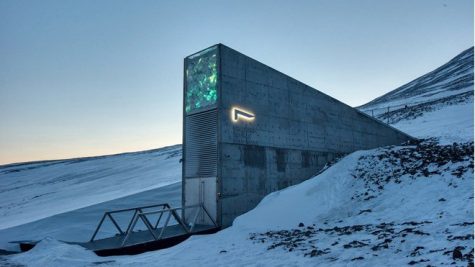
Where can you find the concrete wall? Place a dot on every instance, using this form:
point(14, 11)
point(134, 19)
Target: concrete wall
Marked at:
point(296, 131)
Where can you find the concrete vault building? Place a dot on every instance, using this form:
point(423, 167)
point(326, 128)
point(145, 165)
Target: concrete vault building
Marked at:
point(249, 130)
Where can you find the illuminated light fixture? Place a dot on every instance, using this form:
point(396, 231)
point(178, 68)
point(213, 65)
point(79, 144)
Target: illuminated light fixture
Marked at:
point(239, 113)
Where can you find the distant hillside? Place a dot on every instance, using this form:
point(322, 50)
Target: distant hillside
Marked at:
point(36, 190)
point(451, 79)
point(442, 97)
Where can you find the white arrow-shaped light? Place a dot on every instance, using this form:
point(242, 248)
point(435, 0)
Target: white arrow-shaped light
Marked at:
point(239, 113)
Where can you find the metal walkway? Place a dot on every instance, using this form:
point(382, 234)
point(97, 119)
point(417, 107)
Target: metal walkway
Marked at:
point(164, 227)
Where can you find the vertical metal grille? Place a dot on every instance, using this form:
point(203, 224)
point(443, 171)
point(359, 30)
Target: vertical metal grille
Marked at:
point(201, 144)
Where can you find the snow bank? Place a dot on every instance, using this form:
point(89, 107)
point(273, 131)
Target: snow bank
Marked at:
point(306, 202)
point(50, 252)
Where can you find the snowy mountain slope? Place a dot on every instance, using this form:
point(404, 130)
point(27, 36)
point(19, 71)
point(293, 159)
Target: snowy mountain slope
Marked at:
point(441, 101)
point(78, 225)
point(385, 207)
point(37, 190)
point(451, 79)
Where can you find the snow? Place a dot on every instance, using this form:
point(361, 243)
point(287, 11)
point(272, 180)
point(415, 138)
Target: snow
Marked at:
point(39, 190)
point(79, 225)
point(51, 252)
point(328, 191)
point(381, 108)
point(326, 201)
point(438, 104)
point(450, 124)
point(451, 79)
point(327, 198)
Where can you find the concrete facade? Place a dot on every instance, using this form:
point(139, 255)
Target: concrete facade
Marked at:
point(295, 131)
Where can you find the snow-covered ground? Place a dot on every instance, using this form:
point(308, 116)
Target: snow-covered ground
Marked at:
point(33, 191)
point(450, 124)
point(389, 206)
point(399, 205)
point(79, 225)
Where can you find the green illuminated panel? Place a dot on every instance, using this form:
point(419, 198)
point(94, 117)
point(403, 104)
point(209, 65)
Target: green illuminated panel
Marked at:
point(201, 80)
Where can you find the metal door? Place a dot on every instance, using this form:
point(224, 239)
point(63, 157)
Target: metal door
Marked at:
point(201, 191)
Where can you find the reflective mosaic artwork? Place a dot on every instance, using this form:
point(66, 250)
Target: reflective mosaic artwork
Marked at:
point(201, 78)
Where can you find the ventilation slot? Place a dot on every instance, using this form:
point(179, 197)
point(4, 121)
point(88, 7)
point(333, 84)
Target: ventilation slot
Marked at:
point(201, 146)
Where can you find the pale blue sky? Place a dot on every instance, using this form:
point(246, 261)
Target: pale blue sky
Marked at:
point(81, 78)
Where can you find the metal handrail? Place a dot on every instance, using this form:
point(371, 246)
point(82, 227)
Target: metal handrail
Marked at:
point(142, 207)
